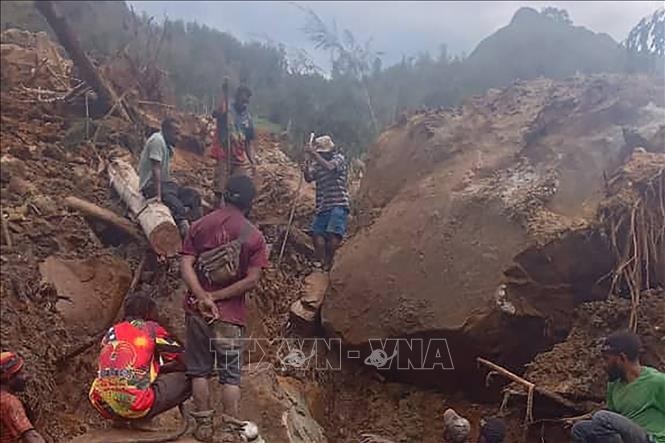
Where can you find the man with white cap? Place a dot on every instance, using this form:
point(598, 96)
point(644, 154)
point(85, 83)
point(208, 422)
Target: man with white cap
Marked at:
point(326, 166)
point(456, 429)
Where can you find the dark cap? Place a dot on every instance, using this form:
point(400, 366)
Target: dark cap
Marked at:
point(240, 191)
point(622, 342)
point(493, 429)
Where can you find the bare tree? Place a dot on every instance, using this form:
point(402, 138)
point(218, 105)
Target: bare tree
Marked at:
point(348, 57)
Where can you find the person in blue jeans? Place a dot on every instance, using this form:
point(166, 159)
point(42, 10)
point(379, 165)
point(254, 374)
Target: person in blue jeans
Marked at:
point(635, 398)
point(326, 166)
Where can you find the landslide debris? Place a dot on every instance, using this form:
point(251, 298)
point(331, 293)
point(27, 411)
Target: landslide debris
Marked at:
point(46, 155)
point(574, 367)
point(490, 220)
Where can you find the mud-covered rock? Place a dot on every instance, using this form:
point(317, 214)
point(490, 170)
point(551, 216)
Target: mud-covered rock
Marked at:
point(486, 232)
point(91, 291)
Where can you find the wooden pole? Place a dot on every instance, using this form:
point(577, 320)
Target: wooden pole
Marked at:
point(102, 214)
point(530, 386)
point(225, 89)
point(137, 273)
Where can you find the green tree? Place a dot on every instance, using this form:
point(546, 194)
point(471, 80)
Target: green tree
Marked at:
point(557, 14)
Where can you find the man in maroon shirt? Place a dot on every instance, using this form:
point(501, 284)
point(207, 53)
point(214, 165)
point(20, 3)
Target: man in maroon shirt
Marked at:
point(215, 314)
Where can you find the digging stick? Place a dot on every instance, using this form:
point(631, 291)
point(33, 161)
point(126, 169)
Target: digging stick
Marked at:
point(293, 211)
point(137, 273)
point(530, 386)
point(225, 90)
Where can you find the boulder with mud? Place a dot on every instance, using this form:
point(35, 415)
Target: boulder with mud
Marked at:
point(482, 224)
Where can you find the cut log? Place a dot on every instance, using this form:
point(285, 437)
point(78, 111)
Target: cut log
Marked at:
point(154, 217)
point(98, 213)
point(69, 41)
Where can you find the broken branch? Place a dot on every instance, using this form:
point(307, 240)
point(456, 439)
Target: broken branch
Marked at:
point(98, 213)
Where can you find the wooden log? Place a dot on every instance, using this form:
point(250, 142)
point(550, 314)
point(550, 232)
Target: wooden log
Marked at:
point(154, 217)
point(102, 214)
point(69, 41)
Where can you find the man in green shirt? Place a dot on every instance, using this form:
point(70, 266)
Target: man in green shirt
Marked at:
point(155, 177)
point(635, 398)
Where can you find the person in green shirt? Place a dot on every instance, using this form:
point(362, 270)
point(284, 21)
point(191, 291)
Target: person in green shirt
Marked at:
point(635, 398)
point(155, 177)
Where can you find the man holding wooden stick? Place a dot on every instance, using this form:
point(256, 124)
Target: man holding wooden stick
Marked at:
point(232, 144)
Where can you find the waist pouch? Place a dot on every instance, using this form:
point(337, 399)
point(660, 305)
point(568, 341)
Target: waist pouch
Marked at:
point(220, 265)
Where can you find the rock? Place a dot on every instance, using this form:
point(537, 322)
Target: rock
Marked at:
point(53, 151)
point(301, 311)
point(11, 166)
point(21, 187)
point(505, 192)
point(45, 204)
point(279, 408)
point(92, 290)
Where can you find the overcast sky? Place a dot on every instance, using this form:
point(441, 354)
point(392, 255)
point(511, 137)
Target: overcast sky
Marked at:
point(397, 27)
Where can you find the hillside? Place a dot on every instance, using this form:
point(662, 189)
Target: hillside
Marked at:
point(536, 45)
point(296, 97)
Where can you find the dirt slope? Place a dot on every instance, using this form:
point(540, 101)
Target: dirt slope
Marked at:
point(479, 221)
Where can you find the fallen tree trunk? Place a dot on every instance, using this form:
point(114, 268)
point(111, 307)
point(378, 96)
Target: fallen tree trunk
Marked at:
point(69, 41)
point(102, 214)
point(154, 217)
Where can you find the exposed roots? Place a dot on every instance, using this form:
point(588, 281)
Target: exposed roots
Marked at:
point(635, 223)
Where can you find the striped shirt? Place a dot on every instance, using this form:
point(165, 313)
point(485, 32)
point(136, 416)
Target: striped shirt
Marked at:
point(331, 189)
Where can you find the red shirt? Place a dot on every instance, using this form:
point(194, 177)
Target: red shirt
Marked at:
point(219, 228)
point(129, 362)
point(14, 423)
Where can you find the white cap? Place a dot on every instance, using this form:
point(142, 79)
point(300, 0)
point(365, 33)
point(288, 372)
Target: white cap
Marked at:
point(455, 428)
point(324, 144)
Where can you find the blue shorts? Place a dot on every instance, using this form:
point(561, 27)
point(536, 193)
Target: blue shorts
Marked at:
point(331, 221)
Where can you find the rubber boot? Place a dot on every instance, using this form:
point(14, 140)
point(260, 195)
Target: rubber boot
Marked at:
point(204, 430)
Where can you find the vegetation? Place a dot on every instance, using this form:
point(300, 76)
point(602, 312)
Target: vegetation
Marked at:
point(360, 96)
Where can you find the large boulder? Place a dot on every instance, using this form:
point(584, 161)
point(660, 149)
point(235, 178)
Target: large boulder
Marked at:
point(90, 291)
point(479, 223)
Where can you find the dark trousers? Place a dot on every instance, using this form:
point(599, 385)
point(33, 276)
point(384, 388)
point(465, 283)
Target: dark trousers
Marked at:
point(608, 427)
point(170, 390)
point(184, 202)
